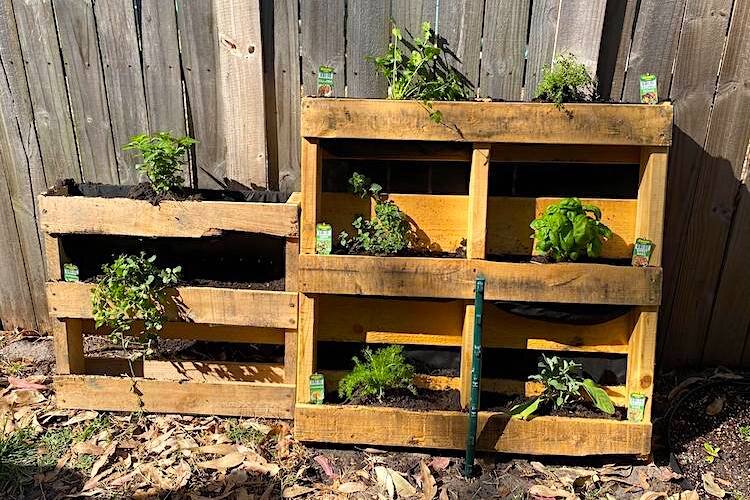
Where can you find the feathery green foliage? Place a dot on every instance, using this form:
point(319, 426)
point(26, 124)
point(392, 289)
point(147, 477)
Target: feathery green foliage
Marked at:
point(566, 80)
point(163, 158)
point(380, 371)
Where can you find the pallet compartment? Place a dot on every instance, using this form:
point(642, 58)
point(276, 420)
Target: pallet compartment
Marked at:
point(345, 298)
point(205, 313)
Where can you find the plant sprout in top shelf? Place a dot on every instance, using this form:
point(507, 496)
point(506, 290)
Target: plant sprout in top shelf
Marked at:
point(163, 159)
point(566, 80)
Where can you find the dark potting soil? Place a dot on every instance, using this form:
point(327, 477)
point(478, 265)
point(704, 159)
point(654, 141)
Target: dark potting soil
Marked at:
point(576, 314)
point(544, 259)
point(459, 253)
point(423, 400)
point(144, 191)
point(490, 401)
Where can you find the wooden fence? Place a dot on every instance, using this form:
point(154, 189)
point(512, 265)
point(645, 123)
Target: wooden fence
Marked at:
point(81, 76)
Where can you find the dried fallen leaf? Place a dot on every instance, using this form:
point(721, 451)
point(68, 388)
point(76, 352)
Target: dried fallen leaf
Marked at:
point(325, 464)
point(81, 417)
point(709, 484)
point(539, 490)
point(103, 458)
point(682, 386)
point(716, 406)
point(440, 463)
point(685, 495)
point(429, 485)
point(351, 487)
point(296, 491)
point(653, 495)
point(20, 383)
point(225, 462)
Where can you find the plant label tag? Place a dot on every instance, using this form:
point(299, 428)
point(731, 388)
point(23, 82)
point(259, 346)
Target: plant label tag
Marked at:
point(317, 388)
point(649, 94)
point(325, 81)
point(70, 273)
point(642, 251)
point(636, 407)
point(323, 239)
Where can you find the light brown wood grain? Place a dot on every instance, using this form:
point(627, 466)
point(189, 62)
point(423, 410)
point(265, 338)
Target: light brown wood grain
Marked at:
point(652, 190)
point(476, 239)
point(306, 345)
point(312, 178)
point(68, 338)
point(642, 357)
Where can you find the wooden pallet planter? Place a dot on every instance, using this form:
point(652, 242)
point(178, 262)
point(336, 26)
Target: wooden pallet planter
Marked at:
point(193, 312)
point(427, 301)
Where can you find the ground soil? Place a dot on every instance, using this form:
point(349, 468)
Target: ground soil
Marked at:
point(504, 403)
point(423, 400)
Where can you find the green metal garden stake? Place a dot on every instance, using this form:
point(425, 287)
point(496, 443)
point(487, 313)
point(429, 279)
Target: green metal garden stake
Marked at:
point(476, 375)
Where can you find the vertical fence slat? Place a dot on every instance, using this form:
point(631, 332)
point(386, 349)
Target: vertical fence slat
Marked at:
point(241, 84)
point(367, 35)
point(654, 45)
point(541, 48)
point(503, 49)
point(118, 43)
point(580, 30)
point(459, 24)
point(49, 99)
point(410, 14)
point(281, 42)
point(323, 44)
point(88, 99)
point(692, 218)
point(200, 62)
point(617, 35)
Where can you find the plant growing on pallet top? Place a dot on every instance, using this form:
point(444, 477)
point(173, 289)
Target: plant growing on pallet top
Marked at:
point(132, 288)
point(563, 385)
point(421, 74)
point(380, 371)
point(163, 158)
point(386, 234)
point(566, 80)
point(569, 229)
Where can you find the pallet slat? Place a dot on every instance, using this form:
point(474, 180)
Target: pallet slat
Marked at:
point(538, 123)
point(223, 306)
point(447, 430)
point(196, 371)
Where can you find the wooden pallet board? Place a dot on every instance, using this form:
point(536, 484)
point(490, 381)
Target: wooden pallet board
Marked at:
point(241, 399)
point(380, 426)
point(223, 306)
point(488, 122)
point(188, 219)
point(582, 283)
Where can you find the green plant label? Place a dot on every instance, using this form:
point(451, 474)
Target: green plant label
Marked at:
point(325, 81)
point(70, 273)
point(317, 388)
point(649, 95)
point(323, 239)
point(642, 251)
point(636, 407)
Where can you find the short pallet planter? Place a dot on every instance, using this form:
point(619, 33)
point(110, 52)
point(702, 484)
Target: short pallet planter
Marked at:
point(427, 300)
point(194, 312)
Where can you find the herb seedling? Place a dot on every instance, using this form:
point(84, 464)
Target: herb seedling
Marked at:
point(712, 452)
point(568, 230)
point(563, 384)
point(163, 158)
point(380, 371)
point(386, 234)
point(744, 432)
point(566, 80)
point(415, 70)
point(133, 288)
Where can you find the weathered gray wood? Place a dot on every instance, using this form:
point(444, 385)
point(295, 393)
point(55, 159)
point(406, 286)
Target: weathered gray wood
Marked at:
point(281, 25)
point(657, 32)
point(410, 14)
point(49, 99)
point(503, 49)
point(322, 44)
point(88, 99)
point(617, 35)
point(241, 84)
point(200, 66)
point(368, 29)
point(118, 43)
point(579, 30)
point(541, 48)
point(704, 175)
point(459, 25)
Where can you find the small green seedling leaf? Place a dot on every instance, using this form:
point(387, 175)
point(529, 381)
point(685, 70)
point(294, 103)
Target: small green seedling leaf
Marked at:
point(712, 452)
point(598, 396)
point(526, 410)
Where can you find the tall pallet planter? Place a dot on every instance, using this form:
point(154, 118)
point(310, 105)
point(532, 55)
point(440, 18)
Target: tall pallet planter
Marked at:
point(340, 294)
point(194, 312)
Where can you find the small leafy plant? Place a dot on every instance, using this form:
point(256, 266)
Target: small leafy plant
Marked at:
point(568, 230)
point(744, 432)
point(132, 288)
point(386, 234)
point(163, 158)
point(712, 452)
point(380, 371)
point(563, 385)
point(419, 72)
point(566, 80)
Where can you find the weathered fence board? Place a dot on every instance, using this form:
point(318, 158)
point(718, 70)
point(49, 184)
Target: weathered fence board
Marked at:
point(503, 49)
point(541, 46)
point(368, 32)
point(617, 35)
point(459, 24)
point(323, 44)
point(579, 30)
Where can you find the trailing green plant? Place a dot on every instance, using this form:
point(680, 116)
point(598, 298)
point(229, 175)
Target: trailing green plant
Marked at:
point(415, 69)
point(378, 372)
point(569, 229)
point(566, 80)
point(132, 288)
point(712, 452)
point(385, 234)
point(163, 158)
point(563, 384)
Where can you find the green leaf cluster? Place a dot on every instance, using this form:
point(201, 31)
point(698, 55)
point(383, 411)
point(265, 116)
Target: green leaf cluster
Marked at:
point(744, 432)
point(563, 384)
point(415, 70)
point(568, 230)
point(379, 371)
point(132, 288)
point(163, 158)
point(712, 452)
point(566, 80)
point(386, 234)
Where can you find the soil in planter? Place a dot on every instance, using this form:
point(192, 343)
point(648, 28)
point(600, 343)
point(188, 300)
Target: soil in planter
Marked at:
point(423, 400)
point(543, 259)
point(427, 360)
point(504, 403)
point(144, 191)
point(232, 260)
point(572, 314)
